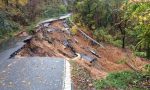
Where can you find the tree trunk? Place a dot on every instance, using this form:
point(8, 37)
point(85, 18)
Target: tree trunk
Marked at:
point(123, 38)
point(148, 51)
point(123, 35)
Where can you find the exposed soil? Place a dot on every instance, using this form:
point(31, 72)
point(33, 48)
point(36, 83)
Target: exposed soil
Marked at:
point(51, 42)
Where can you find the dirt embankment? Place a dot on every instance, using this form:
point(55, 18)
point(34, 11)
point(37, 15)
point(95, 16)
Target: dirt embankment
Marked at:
point(56, 40)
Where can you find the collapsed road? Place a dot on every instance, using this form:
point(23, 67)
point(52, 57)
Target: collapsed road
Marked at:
point(10, 47)
point(31, 73)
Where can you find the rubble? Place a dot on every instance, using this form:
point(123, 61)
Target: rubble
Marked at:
point(94, 53)
point(65, 24)
point(46, 25)
point(88, 59)
point(50, 30)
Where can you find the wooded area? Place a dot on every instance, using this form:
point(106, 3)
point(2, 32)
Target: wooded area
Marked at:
point(15, 14)
point(120, 22)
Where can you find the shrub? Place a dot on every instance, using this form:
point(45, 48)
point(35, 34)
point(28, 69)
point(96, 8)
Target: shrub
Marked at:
point(7, 26)
point(101, 34)
point(74, 30)
point(31, 28)
point(117, 43)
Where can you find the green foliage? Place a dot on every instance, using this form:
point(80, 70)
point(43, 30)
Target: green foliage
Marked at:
point(7, 26)
point(17, 13)
point(68, 21)
point(117, 43)
point(100, 14)
point(140, 12)
point(97, 13)
point(51, 11)
point(122, 80)
point(129, 21)
point(31, 28)
point(101, 34)
point(140, 54)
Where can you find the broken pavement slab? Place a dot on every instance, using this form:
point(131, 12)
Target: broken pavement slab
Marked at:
point(9, 48)
point(88, 58)
point(36, 73)
point(53, 19)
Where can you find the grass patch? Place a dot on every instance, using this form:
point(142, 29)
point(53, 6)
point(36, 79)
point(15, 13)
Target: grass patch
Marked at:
point(125, 80)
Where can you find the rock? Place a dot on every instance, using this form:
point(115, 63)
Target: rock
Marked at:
point(65, 25)
point(50, 30)
point(88, 59)
point(90, 85)
point(46, 25)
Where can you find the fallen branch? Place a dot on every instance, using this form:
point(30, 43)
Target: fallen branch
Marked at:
point(130, 65)
point(87, 35)
point(91, 38)
point(94, 53)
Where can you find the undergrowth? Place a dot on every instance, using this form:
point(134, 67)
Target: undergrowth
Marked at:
point(126, 80)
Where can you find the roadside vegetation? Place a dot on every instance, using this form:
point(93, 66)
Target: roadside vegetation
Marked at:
point(126, 80)
point(19, 15)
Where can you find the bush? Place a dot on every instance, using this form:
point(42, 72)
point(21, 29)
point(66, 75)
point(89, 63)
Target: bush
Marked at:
point(101, 34)
point(31, 29)
point(117, 43)
point(7, 26)
point(74, 30)
point(68, 22)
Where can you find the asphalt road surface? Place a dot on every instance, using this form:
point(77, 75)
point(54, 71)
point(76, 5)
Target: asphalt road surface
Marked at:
point(34, 73)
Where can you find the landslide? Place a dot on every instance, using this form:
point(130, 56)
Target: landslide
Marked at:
point(56, 40)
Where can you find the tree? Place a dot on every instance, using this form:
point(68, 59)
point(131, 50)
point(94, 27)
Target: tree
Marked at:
point(140, 17)
point(101, 13)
